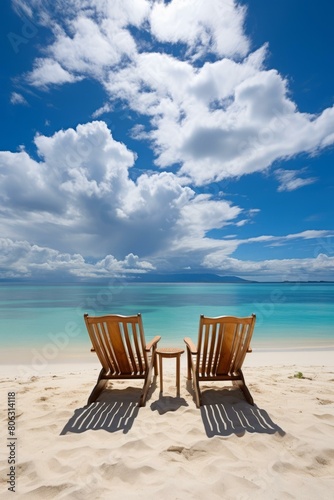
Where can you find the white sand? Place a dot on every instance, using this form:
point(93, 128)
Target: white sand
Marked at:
point(282, 448)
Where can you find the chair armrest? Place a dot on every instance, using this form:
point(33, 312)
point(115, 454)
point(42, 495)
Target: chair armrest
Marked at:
point(190, 344)
point(249, 349)
point(152, 343)
point(92, 349)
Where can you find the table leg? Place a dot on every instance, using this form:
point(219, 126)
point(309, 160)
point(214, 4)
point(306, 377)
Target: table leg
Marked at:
point(161, 375)
point(178, 374)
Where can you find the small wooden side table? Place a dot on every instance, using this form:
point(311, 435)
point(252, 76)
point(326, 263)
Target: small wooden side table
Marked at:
point(170, 352)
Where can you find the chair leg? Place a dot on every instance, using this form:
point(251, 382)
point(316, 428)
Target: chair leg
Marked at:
point(155, 363)
point(191, 374)
point(189, 363)
point(100, 385)
point(147, 383)
point(242, 385)
point(197, 392)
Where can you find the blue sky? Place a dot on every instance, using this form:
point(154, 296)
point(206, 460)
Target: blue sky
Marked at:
point(146, 136)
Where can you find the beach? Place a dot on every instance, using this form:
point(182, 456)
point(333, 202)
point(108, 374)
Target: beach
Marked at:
point(281, 448)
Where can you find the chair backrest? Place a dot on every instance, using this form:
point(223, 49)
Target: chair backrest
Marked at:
point(119, 343)
point(222, 344)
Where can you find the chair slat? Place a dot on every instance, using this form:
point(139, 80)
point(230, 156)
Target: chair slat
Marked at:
point(138, 346)
point(116, 341)
point(131, 357)
point(105, 349)
point(212, 348)
point(226, 353)
point(218, 348)
point(98, 346)
point(205, 349)
point(199, 346)
point(245, 338)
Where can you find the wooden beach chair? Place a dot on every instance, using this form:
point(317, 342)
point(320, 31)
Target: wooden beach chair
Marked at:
point(221, 349)
point(119, 343)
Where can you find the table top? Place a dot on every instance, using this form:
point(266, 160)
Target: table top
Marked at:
point(169, 351)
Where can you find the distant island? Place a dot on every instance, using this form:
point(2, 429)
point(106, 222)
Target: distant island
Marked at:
point(190, 278)
point(154, 278)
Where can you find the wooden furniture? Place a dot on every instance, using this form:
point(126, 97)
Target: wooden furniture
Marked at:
point(221, 349)
point(170, 352)
point(120, 345)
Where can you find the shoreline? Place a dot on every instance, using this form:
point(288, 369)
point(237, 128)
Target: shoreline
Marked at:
point(264, 357)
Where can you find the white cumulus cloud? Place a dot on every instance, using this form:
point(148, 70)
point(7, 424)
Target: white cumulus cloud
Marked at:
point(207, 105)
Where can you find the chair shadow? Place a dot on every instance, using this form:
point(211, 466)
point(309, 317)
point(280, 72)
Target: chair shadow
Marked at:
point(115, 410)
point(225, 412)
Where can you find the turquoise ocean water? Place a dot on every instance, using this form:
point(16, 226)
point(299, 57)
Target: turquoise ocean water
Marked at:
point(48, 319)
